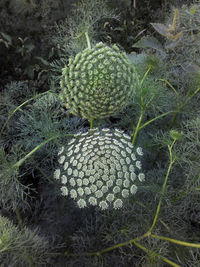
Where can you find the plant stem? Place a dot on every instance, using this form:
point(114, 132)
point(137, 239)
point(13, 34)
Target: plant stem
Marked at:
point(98, 253)
point(24, 103)
point(137, 128)
point(142, 109)
point(154, 119)
point(171, 86)
point(88, 40)
point(91, 123)
point(21, 161)
point(157, 255)
point(164, 185)
point(182, 243)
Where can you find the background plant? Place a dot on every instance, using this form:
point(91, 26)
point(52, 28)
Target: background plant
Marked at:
point(181, 69)
point(16, 245)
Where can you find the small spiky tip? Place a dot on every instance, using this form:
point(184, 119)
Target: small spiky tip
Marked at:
point(99, 168)
point(98, 82)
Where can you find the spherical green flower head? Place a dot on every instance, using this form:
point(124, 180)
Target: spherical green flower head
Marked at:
point(99, 168)
point(98, 82)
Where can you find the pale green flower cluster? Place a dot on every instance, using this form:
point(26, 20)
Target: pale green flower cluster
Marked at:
point(98, 82)
point(99, 168)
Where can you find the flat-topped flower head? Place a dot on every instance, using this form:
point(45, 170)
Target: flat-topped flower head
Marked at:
point(107, 169)
point(98, 82)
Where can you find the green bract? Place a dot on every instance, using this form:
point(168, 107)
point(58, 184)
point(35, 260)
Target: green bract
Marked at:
point(99, 168)
point(98, 82)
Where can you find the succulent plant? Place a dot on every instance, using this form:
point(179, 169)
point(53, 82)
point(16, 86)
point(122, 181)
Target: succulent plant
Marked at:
point(98, 82)
point(99, 168)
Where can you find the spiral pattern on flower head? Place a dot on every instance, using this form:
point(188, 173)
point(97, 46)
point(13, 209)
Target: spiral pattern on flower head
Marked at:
point(98, 82)
point(99, 168)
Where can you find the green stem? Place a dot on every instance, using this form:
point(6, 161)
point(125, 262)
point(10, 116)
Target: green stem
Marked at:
point(171, 86)
point(182, 243)
point(142, 110)
point(164, 186)
point(98, 253)
point(157, 255)
point(91, 123)
point(24, 103)
point(137, 128)
point(195, 92)
point(148, 233)
point(88, 40)
point(154, 119)
point(145, 75)
point(21, 161)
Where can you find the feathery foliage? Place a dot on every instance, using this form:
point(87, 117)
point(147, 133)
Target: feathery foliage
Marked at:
point(17, 245)
point(100, 168)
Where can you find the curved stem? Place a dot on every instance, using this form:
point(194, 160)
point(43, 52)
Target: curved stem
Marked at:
point(182, 243)
point(171, 86)
point(24, 103)
point(145, 75)
point(21, 161)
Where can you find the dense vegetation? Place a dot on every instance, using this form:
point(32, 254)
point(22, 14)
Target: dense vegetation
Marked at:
point(149, 47)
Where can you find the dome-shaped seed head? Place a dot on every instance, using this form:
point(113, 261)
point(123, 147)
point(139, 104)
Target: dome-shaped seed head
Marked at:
point(96, 179)
point(99, 82)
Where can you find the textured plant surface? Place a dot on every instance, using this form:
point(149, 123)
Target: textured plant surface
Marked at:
point(98, 82)
point(99, 168)
point(91, 213)
point(21, 246)
point(87, 16)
